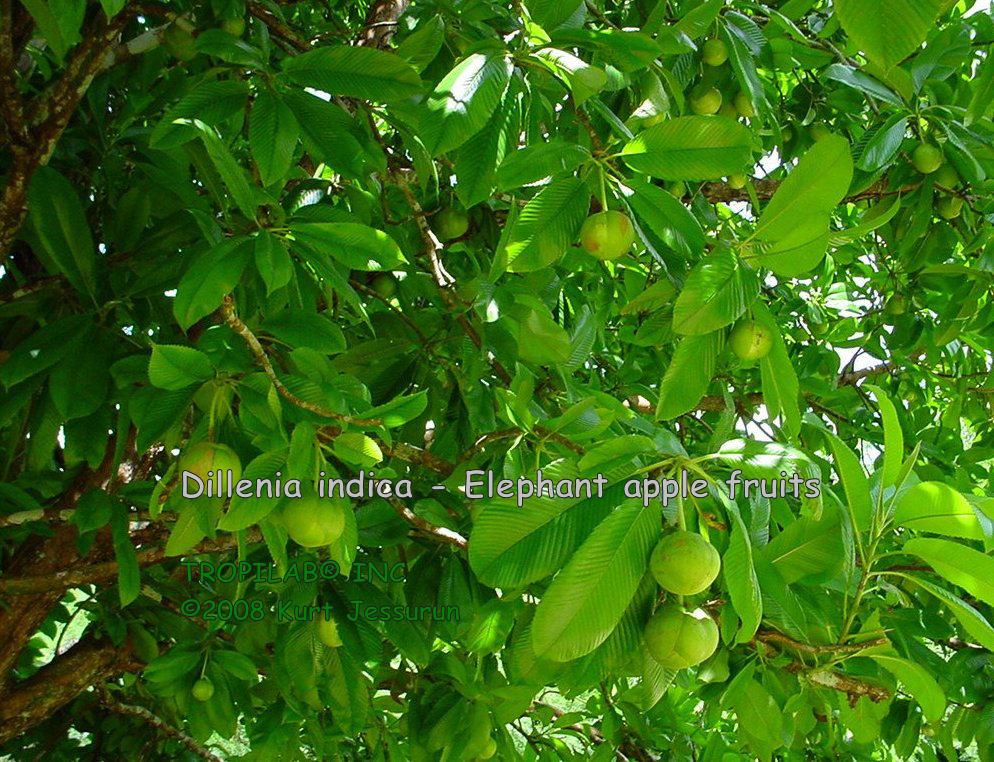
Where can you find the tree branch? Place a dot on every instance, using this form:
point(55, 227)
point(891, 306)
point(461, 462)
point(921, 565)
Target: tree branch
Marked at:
point(441, 533)
point(257, 350)
point(155, 721)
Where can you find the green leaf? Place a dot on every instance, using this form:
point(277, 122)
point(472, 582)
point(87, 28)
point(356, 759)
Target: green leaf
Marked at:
point(79, 382)
point(273, 136)
point(918, 682)
point(212, 102)
point(893, 436)
point(854, 481)
point(793, 228)
point(688, 375)
point(717, 291)
point(304, 328)
point(960, 564)
point(938, 508)
point(329, 133)
point(44, 348)
point(740, 575)
point(209, 278)
point(765, 460)
point(476, 164)
point(272, 260)
point(512, 546)
point(887, 31)
point(691, 148)
point(243, 512)
point(972, 620)
point(60, 226)
point(358, 247)
point(236, 664)
point(464, 101)
point(809, 549)
point(128, 575)
point(175, 367)
point(884, 144)
point(666, 217)
point(400, 410)
point(355, 72)
point(862, 82)
point(357, 449)
point(582, 79)
point(537, 162)
point(234, 177)
point(760, 717)
point(547, 225)
point(93, 510)
point(983, 92)
point(587, 598)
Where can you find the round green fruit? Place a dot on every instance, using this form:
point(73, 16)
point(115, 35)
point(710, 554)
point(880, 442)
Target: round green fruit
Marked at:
point(489, 750)
point(926, 158)
point(235, 26)
point(684, 563)
point(743, 105)
point(750, 340)
point(328, 632)
point(896, 305)
point(313, 521)
point(819, 131)
point(737, 181)
point(705, 101)
point(385, 286)
point(206, 457)
point(203, 689)
point(949, 207)
point(451, 223)
point(677, 189)
point(946, 176)
point(179, 43)
point(727, 109)
point(607, 235)
point(714, 52)
point(818, 329)
point(677, 638)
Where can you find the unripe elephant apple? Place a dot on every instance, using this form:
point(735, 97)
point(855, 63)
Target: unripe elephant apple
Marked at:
point(607, 235)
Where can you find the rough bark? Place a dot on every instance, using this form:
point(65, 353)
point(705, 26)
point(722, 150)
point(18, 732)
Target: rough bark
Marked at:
point(26, 704)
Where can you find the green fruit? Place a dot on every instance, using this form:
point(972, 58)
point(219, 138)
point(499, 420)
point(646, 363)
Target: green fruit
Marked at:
point(677, 638)
point(607, 235)
point(946, 176)
point(313, 521)
point(203, 689)
point(727, 109)
point(743, 105)
point(328, 631)
point(750, 340)
point(819, 131)
point(451, 223)
point(714, 52)
point(489, 750)
point(896, 305)
point(926, 158)
point(179, 43)
point(737, 181)
point(818, 329)
point(234, 26)
point(684, 563)
point(705, 102)
point(677, 189)
point(385, 286)
point(949, 207)
point(204, 457)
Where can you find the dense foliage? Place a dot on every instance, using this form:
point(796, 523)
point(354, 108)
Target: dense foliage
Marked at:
point(639, 239)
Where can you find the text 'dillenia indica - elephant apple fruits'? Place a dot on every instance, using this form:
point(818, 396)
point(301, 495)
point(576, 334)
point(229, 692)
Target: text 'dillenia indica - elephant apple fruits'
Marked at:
point(684, 563)
point(677, 638)
point(206, 458)
point(313, 521)
point(751, 340)
point(607, 235)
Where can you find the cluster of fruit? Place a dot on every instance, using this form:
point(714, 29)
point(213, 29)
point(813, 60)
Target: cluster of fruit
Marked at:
point(683, 563)
point(309, 520)
point(928, 160)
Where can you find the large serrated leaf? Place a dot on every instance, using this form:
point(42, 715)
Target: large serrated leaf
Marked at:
point(547, 225)
point(688, 375)
point(354, 71)
point(586, 600)
point(716, 292)
point(691, 148)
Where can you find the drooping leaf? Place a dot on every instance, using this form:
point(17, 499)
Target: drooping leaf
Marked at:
point(690, 148)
